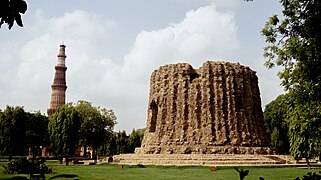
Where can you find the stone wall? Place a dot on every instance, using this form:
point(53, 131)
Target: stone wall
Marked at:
point(214, 109)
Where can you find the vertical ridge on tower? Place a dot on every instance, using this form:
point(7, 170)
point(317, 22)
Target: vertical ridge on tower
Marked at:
point(58, 88)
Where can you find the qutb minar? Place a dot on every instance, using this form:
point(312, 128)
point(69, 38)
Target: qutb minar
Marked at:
point(58, 88)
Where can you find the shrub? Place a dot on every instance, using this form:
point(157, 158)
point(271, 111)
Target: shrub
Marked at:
point(24, 166)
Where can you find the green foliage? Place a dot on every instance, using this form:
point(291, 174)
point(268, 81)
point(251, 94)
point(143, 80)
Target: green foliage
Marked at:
point(24, 166)
point(135, 139)
point(109, 147)
point(305, 130)
point(275, 121)
point(122, 142)
point(294, 43)
point(17, 166)
point(36, 131)
point(64, 128)
point(10, 12)
point(96, 124)
point(119, 142)
point(12, 131)
point(20, 130)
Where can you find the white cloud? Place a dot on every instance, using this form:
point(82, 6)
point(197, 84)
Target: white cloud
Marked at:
point(32, 60)
point(204, 34)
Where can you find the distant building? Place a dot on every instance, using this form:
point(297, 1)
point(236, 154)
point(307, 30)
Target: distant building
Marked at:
point(58, 88)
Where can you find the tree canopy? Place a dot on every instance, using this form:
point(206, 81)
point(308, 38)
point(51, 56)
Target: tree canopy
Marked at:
point(96, 124)
point(36, 131)
point(12, 131)
point(10, 11)
point(21, 131)
point(294, 43)
point(64, 128)
point(275, 120)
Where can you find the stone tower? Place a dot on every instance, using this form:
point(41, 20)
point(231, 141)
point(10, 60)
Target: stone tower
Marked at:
point(214, 109)
point(58, 88)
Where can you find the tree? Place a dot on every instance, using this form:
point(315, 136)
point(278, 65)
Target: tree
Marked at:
point(135, 139)
point(10, 12)
point(305, 130)
point(122, 142)
point(275, 121)
point(64, 128)
point(96, 124)
point(36, 131)
point(109, 147)
point(12, 131)
point(294, 43)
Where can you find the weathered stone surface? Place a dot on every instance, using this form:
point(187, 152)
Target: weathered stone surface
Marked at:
point(214, 109)
point(203, 159)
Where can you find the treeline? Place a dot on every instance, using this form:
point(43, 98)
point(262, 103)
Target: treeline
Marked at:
point(21, 131)
point(71, 127)
point(294, 129)
point(120, 143)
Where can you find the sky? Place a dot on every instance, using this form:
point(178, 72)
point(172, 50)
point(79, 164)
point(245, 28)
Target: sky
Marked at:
point(113, 47)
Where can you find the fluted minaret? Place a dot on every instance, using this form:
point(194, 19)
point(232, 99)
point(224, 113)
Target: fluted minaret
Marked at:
point(58, 88)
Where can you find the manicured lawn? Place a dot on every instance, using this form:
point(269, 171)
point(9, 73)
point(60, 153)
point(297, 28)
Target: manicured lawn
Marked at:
point(94, 172)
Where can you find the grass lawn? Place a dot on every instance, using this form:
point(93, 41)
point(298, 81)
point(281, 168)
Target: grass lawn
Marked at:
point(94, 172)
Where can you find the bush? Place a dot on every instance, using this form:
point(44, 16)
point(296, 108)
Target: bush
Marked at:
point(24, 166)
point(17, 166)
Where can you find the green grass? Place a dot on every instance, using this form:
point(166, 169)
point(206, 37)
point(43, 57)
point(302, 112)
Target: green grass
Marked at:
point(95, 172)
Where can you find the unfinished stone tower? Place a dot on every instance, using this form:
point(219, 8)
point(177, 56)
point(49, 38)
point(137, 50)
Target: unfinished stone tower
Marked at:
point(58, 88)
point(214, 109)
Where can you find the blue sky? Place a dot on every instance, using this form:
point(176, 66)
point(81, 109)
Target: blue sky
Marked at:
point(114, 46)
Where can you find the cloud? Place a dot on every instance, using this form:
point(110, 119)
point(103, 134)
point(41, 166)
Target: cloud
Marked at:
point(205, 33)
point(28, 67)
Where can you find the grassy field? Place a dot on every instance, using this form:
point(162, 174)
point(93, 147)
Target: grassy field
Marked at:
point(94, 172)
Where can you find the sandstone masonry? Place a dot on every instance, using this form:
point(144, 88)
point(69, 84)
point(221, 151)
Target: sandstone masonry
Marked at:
point(214, 109)
point(58, 92)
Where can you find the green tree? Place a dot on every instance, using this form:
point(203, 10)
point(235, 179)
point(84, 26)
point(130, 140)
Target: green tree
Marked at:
point(294, 43)
point(275, 121)
point(122, 142)
point(135, 139)
point(10, 12)
point(36, 132)
point(109, 147)
point(96, 124)
point(64, 128)
point(12, 131)
point(305, 130)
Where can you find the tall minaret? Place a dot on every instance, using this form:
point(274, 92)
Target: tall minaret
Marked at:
point(58, 88)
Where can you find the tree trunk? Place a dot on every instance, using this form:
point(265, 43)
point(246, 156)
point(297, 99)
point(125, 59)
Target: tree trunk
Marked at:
point(85, 151)
point(95, 155)
point(308, 163)
point(67, 161)
point(33, 154)
point(60, 160)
